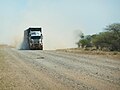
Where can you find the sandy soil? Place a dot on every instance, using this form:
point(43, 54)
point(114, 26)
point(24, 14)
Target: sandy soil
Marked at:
point(56, 70)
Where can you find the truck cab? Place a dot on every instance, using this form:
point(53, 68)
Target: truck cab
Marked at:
point(35, 39)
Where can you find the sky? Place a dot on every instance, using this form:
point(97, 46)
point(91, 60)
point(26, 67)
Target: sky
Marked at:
point(61, 20)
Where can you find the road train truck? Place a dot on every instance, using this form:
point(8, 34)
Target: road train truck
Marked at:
point(33, 39)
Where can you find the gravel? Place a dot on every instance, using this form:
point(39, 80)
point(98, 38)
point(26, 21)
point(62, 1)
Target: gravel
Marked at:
point(56, 70)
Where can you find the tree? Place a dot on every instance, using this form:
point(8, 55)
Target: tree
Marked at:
point(114, 30)
point(115, 27)
point(101, 41)
point(85, 41)
point(109, 39)
point(81, 35)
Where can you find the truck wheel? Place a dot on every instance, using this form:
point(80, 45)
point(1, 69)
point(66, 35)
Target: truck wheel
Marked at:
point(41, 48)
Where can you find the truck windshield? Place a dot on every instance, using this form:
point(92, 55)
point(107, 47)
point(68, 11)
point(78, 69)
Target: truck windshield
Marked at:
point(35, 37)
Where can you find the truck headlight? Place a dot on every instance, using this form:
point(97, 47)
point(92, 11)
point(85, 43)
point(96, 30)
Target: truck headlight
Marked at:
point(39, 40)
point(31, 41)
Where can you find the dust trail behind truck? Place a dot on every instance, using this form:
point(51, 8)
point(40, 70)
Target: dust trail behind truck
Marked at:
point(33, 39)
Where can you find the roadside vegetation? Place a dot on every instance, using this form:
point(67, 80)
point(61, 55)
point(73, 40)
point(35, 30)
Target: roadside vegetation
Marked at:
point(109, 40)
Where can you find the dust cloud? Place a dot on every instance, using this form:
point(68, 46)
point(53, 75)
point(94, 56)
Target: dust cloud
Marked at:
point(57, 33)
point(53, 38)
point(17, 41)
point(57, 30)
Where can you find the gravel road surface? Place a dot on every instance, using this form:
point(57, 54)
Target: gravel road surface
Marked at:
point(56, 70)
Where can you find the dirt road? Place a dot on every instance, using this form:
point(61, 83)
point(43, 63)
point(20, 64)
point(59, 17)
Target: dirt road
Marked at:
point(55, 70)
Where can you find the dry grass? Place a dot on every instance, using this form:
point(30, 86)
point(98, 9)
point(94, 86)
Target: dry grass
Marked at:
point(3, 45)
point(111, 54)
